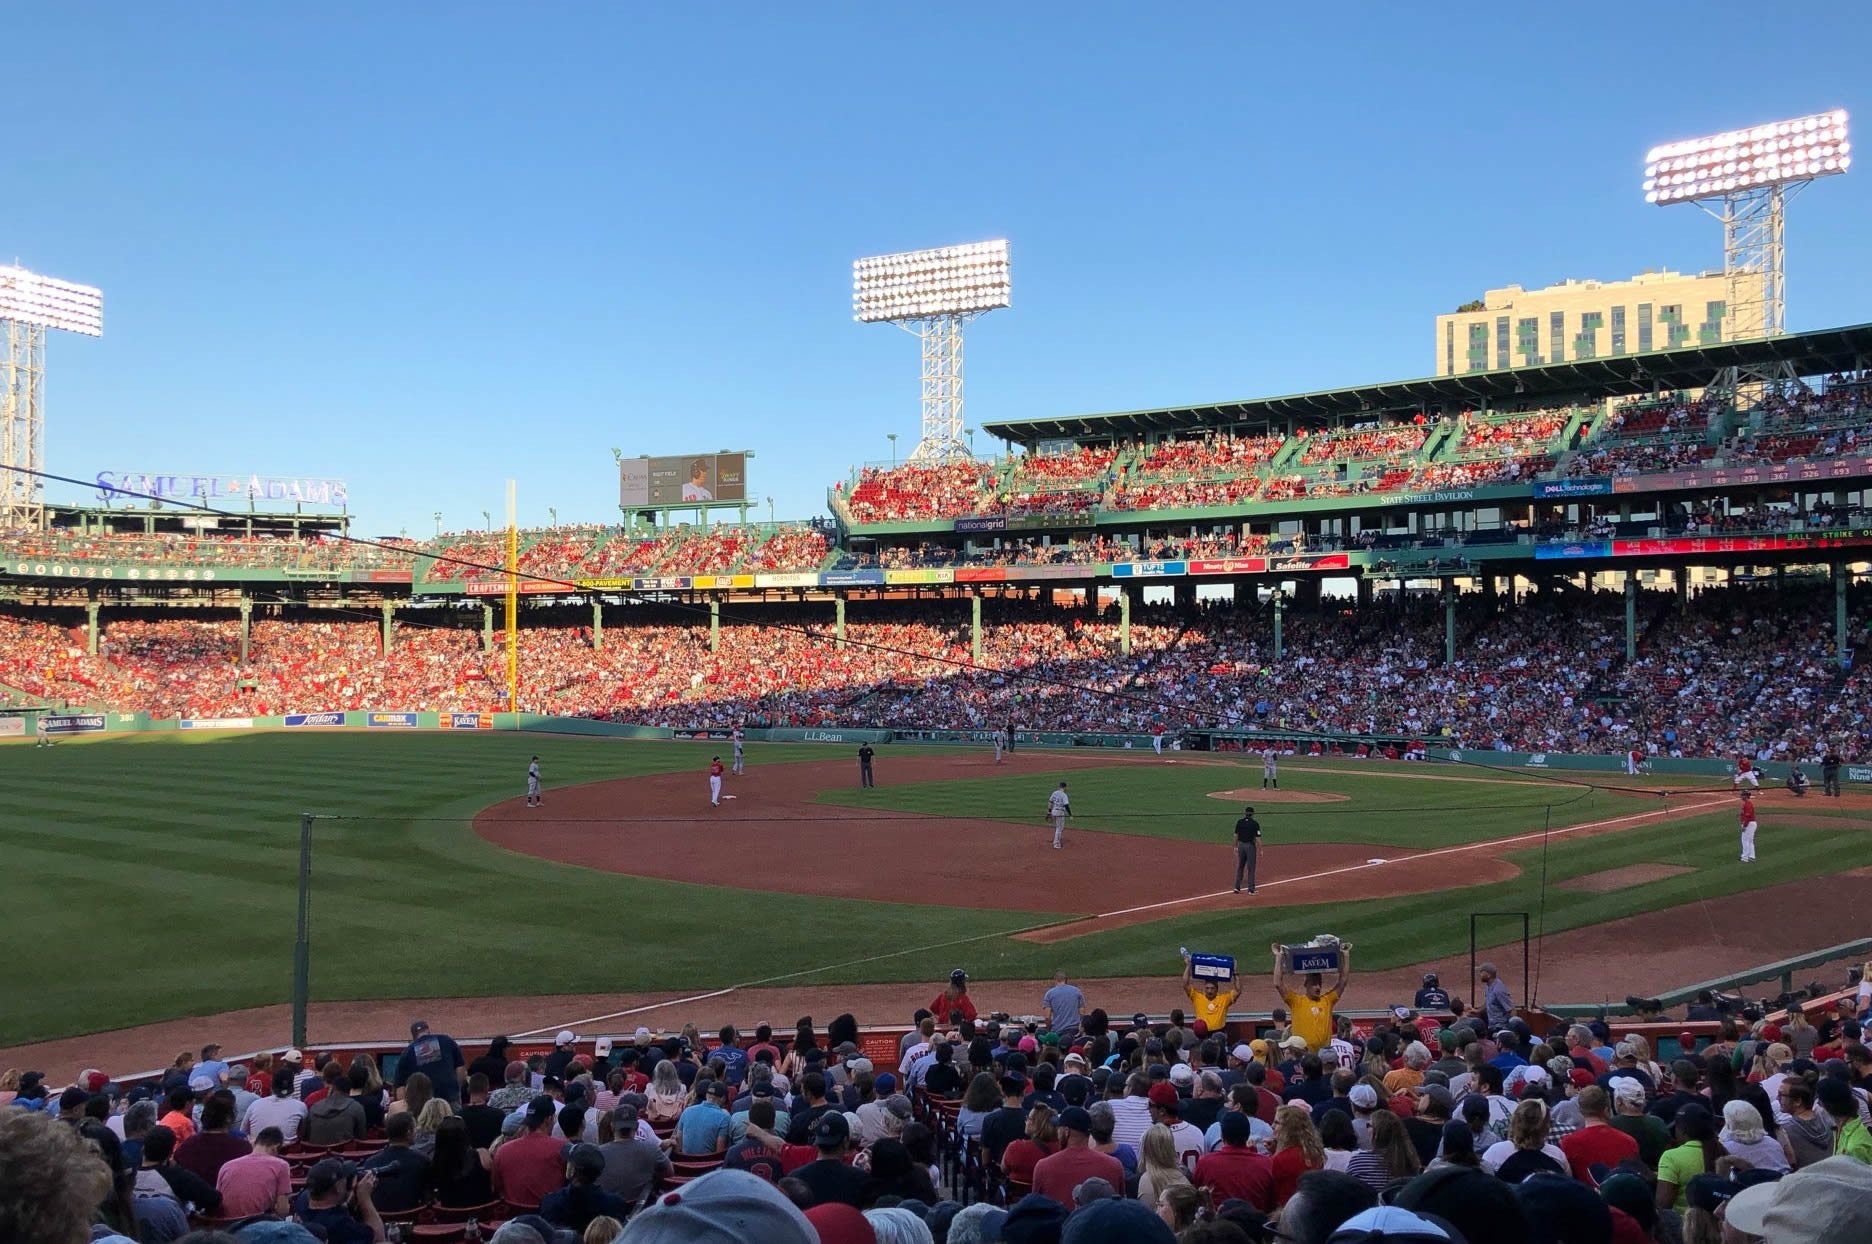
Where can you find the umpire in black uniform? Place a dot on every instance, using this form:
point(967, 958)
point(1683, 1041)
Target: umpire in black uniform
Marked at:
point(1247, 846)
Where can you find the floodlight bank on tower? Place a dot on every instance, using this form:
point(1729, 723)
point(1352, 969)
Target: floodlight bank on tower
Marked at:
point(30, 304)
point(932, 294)
point(1744, 178)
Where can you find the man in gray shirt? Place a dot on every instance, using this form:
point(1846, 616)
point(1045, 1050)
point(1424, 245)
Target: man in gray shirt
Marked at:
point(1064, 1004)
point(1496, 1003)
point(632, 1166)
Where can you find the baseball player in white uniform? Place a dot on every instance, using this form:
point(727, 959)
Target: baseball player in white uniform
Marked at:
point(533, 784)
point(1000, 744)
point(1059, 807)
point(1270, 769)
point(45, 735)
point(1745, 774)
point(739, 765)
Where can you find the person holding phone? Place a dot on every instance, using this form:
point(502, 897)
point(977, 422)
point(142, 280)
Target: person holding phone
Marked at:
point(337, 1200)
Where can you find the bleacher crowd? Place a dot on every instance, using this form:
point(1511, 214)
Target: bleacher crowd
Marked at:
point(1431, 1122)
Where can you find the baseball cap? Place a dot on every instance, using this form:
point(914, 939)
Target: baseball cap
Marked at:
point(1077, 1118)
point(74, 1097)
point(565, 1037)
point(1029, 1046)
point(831, 1130)
point(1140, 1020)
point(838, 1223)
point(1164, 1095)
point(1363, 1096)
point(197, 1084)
point(1828, 1201)
point(1441, 1096)
point(94, 1081)
point(722, 1207)
point(957, 977)
point(1571, 1209)
point(539, 1110)
point(587, 1159)
point(1075, 1059)
point(897, 1105)
point(328, 1173)
point(1429, 978)
point(1114, 1220)
point(641, 1036)
point(1294, 1043)
point(1180, 1073)
point(1388, 1222)
point(292, 1056)
point(1244, 1052)
point(419, 1027)
point(1628, 1089)
point(886, 1083)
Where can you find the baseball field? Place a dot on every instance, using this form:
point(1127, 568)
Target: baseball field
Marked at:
point(155, 879)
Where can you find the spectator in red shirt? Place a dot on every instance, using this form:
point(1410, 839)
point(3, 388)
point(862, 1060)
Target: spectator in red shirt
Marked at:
point(528, 1168)
point(1041, 1141)
point(1597, 1141)
point(952, 1005)
point(1058, 1174)
point(1234, 1171)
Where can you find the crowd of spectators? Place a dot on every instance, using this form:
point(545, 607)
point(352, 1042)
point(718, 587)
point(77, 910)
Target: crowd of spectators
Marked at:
point(204, 549)
point(1442, 1121)
point(604, 552)
point(917, 490)
point(1363, 443)
point(1737, 671)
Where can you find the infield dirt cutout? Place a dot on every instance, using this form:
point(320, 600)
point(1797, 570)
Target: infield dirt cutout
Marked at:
point(1623, 878)
point(1254, 794)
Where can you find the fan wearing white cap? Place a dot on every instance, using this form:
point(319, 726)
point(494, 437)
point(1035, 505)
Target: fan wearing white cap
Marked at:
point(1829, 1202)
point(565, 1049)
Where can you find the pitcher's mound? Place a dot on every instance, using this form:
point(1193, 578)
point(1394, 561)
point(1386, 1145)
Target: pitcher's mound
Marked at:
point(1623, 878)
point(1254, 794)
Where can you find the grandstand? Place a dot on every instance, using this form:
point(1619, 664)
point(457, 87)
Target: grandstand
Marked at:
point(1635, 505)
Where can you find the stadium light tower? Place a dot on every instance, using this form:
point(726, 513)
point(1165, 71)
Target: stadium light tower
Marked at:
point(1744, 179)
point(932, 294)
point(30, 304)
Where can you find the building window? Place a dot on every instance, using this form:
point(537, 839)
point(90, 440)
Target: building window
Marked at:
point(1710, 331)
point(1527, 341)
point(1478, 346)
point(1586, 342)
point(1618, 329)
point(1556, 336)
point(1501, 341)
point(1676, 332)
point(1644, 327)
point(1449, 347)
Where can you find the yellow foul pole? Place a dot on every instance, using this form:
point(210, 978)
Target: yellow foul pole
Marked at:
point(513, 606)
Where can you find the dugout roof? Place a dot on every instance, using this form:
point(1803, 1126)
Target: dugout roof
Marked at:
point(1687, 367)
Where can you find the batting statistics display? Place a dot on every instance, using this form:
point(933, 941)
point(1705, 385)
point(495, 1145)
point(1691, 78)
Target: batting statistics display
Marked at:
point(686, 480)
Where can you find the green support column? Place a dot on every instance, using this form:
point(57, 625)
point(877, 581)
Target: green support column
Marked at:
point(1839, 610)
point(838, 621)
point(246, 638)
point(714, 626)
point(1280, 607)
point(487, 628)
point(1124, 621)
point(975, 644)
point(91, 631)
point(1631, 615)
point(389, 626)
point(597, 624)
point(1449, 622)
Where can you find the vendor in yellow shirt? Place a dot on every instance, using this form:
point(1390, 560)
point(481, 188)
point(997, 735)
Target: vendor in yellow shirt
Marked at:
point(1312, 1008)
point(1209, 1000)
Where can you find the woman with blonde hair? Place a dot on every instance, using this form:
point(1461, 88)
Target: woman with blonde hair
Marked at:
point(1177, 1205)
point(1641, 1046)
point(1297, 1150)
point(416, 1094)
point(1800, 1035)
point(1391, 1156)
point(9, 1085)
point(1157, 1164)
point(602, 1230)
point(666, 1095)
point(374, 1079)
point(428, 1120)
point(1526, 1150)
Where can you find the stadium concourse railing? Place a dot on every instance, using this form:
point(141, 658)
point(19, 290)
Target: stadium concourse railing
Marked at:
point(20, 723)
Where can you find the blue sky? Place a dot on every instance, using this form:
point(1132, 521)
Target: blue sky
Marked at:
point(426, 248)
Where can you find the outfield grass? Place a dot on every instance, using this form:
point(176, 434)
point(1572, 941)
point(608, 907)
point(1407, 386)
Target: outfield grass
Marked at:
point(155, 878)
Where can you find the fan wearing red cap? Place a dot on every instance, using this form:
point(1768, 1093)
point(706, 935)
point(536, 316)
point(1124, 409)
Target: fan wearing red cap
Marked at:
point(1166, 1107)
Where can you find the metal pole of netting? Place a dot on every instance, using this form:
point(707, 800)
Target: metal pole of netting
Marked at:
point(302, 941)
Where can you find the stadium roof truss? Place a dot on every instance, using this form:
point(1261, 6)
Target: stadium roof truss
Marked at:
point(1688, 367)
